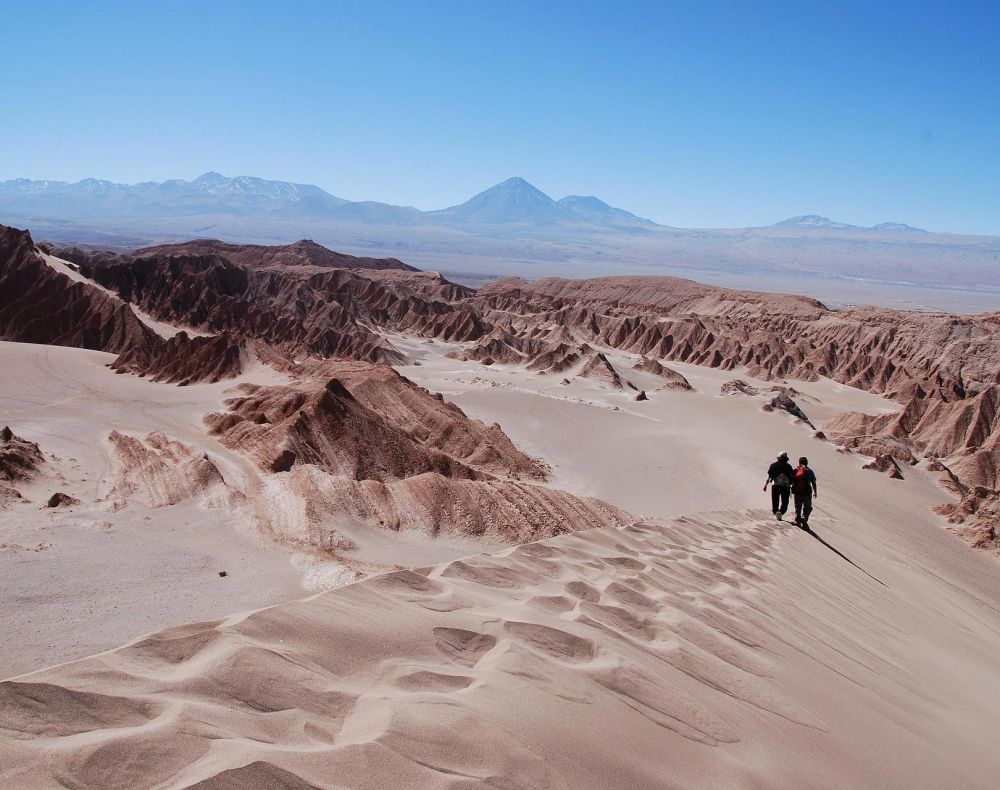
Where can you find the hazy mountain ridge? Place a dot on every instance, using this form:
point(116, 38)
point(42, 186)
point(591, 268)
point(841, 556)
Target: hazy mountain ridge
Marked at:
point(514, 201)
point(815, 221)
point(511, 228)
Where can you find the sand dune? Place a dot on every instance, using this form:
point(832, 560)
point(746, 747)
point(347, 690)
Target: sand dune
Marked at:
point(717, 651)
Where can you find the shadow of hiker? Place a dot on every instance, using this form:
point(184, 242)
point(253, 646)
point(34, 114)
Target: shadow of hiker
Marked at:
point(843, 556)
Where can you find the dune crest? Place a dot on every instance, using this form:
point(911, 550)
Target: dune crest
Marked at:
point(667, 635)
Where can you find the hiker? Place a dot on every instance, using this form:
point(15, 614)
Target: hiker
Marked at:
point(780, 474)
point(804, 490)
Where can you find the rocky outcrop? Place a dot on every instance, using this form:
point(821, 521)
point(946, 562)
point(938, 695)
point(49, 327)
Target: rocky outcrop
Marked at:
point(598, 368)
point(334, 313)
point(738, 387)
point(672, 380)
point(304, 254)
point(885, 464)
point(370, 446)
point(41, 305)
point(774, 336)
point(20, 461)
point(297, 307)
point(158, 471)
point(366, 423)
point(783, 402)
point(61, 499)
point(434, 504)
point(281, 427)
point(944, 369)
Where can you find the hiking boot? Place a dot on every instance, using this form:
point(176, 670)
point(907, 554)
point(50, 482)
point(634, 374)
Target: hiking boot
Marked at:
point(777, 515)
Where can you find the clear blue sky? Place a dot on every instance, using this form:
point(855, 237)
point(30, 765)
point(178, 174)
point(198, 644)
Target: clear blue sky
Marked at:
point(691, 113)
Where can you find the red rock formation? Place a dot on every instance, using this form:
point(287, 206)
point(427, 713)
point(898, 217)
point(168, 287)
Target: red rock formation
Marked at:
point(41, 305)
point(372, 446)
point(20, 461)
point(944, 368)
point(19, 458)
point(301, 254)
point(366, 423)
point(158, 470)
point(783, 402)
point(295, 307)
point(335, 313)
point(599, 368)
point(672, 379)
point(775, 336)
point(886, 464)
point(738, 387)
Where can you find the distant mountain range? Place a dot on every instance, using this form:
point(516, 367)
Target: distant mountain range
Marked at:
point(512, 202)
point(816, 222)
point(511, 228)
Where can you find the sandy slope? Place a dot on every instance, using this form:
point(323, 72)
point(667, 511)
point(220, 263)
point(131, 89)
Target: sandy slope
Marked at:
point(87, 578)
point(719, 650)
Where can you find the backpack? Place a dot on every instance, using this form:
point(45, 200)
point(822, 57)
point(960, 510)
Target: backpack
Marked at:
point(800, 480)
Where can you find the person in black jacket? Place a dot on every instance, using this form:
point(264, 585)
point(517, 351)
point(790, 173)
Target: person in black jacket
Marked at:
point(779, 474)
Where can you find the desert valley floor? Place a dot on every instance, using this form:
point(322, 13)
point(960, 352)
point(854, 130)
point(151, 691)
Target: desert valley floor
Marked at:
point(438, 616)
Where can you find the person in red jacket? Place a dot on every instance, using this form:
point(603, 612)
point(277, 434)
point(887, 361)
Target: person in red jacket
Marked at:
point(804, 490)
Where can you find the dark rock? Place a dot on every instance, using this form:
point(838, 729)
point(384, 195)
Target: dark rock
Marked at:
point(60, 499)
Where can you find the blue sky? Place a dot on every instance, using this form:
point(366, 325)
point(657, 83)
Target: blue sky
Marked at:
point(691, 113)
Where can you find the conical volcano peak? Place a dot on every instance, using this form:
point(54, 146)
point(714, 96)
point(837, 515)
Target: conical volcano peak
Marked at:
point(510, 201)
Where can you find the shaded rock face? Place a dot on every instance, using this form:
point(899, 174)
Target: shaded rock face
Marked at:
point(886, 464)
point(288, 302)
point(20, 459)
point(960, 437)
point(183, 359)
point(783, 402)
point(327, 313)
point(59, 499)
point(41, 305)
